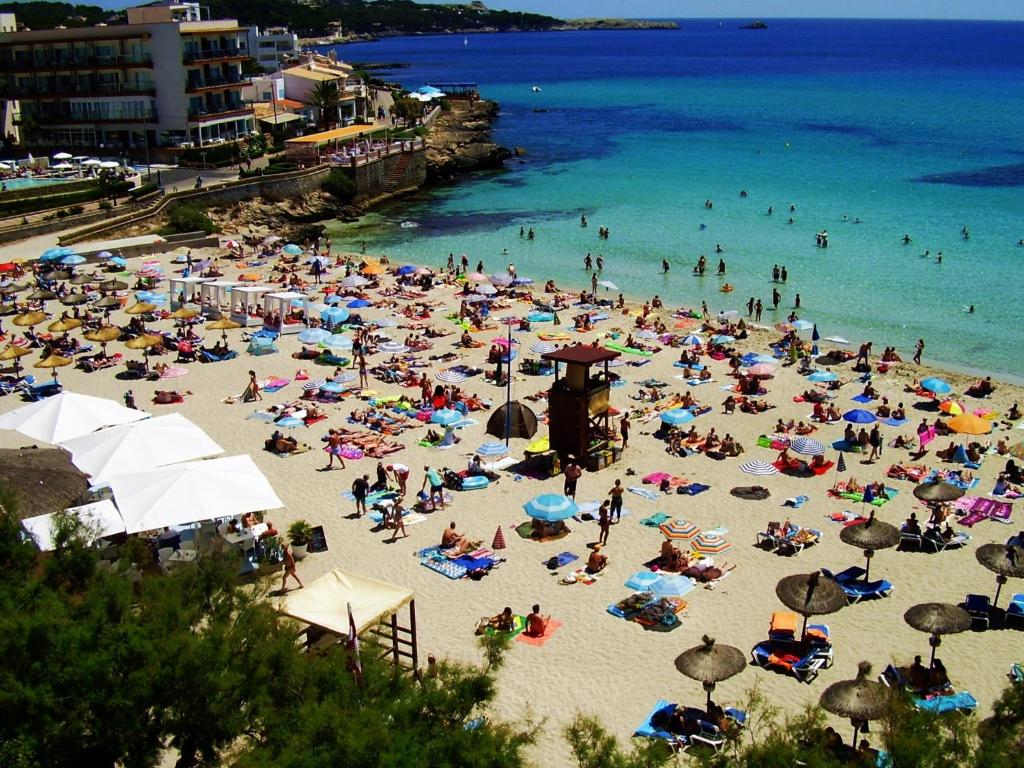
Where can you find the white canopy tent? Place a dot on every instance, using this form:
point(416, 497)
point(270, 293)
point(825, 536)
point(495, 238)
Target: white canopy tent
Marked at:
point(187, 287)
point(139, 446)
point(215, 297)
point(190, 492)
point(66, 416)
point(99, 519)
point(324, 602)
point(246, 304)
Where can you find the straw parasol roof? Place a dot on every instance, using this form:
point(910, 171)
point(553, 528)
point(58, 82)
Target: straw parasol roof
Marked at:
point(710, 663)
point(1004, 560)
point(223, 324)
point(938, 492)
point(140, 308)
point(113, 284)
point(11, 288)
point(53, 362)
point(184, 313)
point(83, 278)
point(860, 699)
point(871, 534)
point(103, 334)
point(810, 594)
point(41, 295)
point(145, 341)
point(67, 324)
point(937, 619)
point(108, 301)
point(27, 319)
point(74, 298)
point(60, 274)
point(42, 481)
point(13, 353)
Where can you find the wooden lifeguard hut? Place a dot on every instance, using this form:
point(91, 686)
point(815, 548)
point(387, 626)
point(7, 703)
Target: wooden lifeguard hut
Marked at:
point(578, 406)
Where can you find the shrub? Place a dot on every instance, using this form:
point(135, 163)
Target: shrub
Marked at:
point(106, 205)
point(339, 185)
point(32, 205)
point(74, 210)
point(185, 217)
point(142, 191)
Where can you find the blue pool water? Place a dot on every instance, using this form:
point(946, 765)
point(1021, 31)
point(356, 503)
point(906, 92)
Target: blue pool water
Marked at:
point(911, 127)
point(13, 184)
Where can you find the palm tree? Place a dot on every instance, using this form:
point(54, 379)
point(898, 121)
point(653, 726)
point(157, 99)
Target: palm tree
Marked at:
point(326, 97)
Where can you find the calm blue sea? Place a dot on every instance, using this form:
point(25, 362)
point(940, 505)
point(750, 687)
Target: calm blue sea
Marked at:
point(911, 127)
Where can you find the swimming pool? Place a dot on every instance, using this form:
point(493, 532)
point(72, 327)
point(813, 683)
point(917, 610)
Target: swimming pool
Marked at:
point(12, 184)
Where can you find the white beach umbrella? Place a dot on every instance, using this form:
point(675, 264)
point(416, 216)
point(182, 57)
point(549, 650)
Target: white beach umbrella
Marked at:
point(758, 467)
point(98, 519)
point(837, 340)
point(190, 492)
point(139, 446)
point(354, 281)
point(62, 167)
point(62, 156)
point(66, 416)
point(91, 161)
point(110, 165)
point(608, 284)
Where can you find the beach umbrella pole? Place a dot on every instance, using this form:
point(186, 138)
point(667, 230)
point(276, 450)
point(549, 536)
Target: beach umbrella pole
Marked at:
point(1000, 580)
point(868, 554)
point(709, 687)
point(934, 641)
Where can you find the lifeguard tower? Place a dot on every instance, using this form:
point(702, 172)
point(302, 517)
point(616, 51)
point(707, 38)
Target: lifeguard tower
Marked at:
point(578, 406)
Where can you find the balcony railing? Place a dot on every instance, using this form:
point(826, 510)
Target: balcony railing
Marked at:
point(16, 63)
point(197, 83)
point(59, 90)
point(215, 110)
point(63, 115)
point(203, 54)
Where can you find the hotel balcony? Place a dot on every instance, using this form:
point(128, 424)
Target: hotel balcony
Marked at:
point(217, 111)
point(62, 115)
point(78, 89)
point(194, 55)
point(203, 83)
point(24, 64)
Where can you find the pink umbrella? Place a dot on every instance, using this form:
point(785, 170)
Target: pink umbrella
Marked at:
point(476, 277)
point(503, 342)
point(761, 369)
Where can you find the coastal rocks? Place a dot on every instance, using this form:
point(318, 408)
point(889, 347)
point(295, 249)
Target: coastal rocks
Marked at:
point(755, 25)
point(460, 141)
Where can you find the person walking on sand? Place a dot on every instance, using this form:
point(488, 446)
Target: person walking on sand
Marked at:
point(252, 391)
point(398, 521)
point(436, 487)
point(616, 492)
point(333, 449)
point(624, 430)
point(875, 439)
point(289, 567)
point(360, 490)
point(364, 379)
point(918, 351)
point(572, 474)
point(604, 522)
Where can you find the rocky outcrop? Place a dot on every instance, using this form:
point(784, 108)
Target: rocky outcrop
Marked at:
point(460, 141)
point(573, 25)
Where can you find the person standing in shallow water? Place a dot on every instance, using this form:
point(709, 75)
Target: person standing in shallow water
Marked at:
point(918, 351)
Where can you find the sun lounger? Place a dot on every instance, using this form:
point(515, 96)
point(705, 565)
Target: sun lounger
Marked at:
point(934, 538)
point(206, 356)
point(1015, 610)
point(979, 607)
point(1017, 672)
point(801, 661)
point(856, 590)
point(40, 391)
point(709, 734)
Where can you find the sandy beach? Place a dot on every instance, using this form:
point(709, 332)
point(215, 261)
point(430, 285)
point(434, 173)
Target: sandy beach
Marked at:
point(596, 663)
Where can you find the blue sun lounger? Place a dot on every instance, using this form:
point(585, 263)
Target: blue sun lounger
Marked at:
point(856, 590)
point(709, 734)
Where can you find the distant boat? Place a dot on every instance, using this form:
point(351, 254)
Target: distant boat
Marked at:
point(536, 89)
point(465, 41)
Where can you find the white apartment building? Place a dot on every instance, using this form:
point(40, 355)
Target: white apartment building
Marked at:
point(273, 48)
point(300, 82)
point(165, 78)
point(8, 107)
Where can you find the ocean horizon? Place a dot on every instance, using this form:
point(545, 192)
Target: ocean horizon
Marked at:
point(872, 129)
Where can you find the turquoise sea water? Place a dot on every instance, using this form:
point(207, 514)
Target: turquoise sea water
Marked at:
point(914, 127)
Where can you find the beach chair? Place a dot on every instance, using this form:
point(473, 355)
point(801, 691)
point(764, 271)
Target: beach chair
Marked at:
point(979, 607)
point(770, 539)
point(135, 369)
point(908, 539)
point(934, 538)
point(186, 352)
point(1015, 610)
point(709, 734)
point(795, 543)
point(36, 392)
point(1017, 672)
point(856, 590)
point(206, 356)
point(804, 666)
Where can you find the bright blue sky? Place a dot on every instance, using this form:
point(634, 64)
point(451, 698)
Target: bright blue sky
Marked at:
point(904, 9)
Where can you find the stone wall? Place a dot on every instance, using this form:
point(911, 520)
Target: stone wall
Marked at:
point(373, 179)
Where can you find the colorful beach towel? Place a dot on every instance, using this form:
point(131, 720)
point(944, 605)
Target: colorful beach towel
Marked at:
point(562, 558)
point(642, 492)
point(655, 520)
point(549, 630)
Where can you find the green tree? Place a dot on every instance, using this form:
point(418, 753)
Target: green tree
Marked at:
point(326, 97)
point(408, 109)
point(339, 185)
point(186, 217)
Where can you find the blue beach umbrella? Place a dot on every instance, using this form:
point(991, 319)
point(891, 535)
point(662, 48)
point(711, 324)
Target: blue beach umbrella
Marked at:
point(641, 581)
point(333, 299)
point(671, 585)
point(807, 446)
point(692, 338)
point(337, 341)
point(723, 339)
point(73, 260)
point(313, 335)
point(408, 269)
point(358, 304)
point(446, 417)
point(551, 507)
point(104, 255)
point(823, 376)
point(938, 386)
point(676, 417)
point(117, 261)
point(53, 254)
point(860, 416)
point(292, 249)
point(493, 449)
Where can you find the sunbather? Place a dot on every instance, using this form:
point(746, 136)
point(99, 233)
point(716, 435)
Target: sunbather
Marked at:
point(597, 561)
point(536, 624)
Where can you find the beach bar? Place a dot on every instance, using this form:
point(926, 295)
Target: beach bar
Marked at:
point(579, 406)
point(246, 304)
point(215, 297)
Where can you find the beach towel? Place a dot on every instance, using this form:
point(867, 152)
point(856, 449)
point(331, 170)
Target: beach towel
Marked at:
point(796, 502)
point(580, 576)
point(692, 489)
point(642, 492)
point(174, 372)
point(563, 558)
point(691, 366)
point(549, 630)
point(961, 701)
point(518, 625)
point(655, 520)
point(445, 567)
point(894, 422)
point(274, 385)
point(525, 530)
point(926, 436)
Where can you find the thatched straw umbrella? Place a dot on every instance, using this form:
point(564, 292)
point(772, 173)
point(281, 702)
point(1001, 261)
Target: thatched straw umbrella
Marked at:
point(936, 492)
point(711, 663)
point(937, 619)
point(64, 324)
point(28, 319)
point(140, 308)
point(103, 334)
point(144, 342)
point(42, 480)
point(223, 325)
point(13, 353)
point(810, 594)
point(871, 535)
point(53, 362)
point(1004, 560)
point(860, 700)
